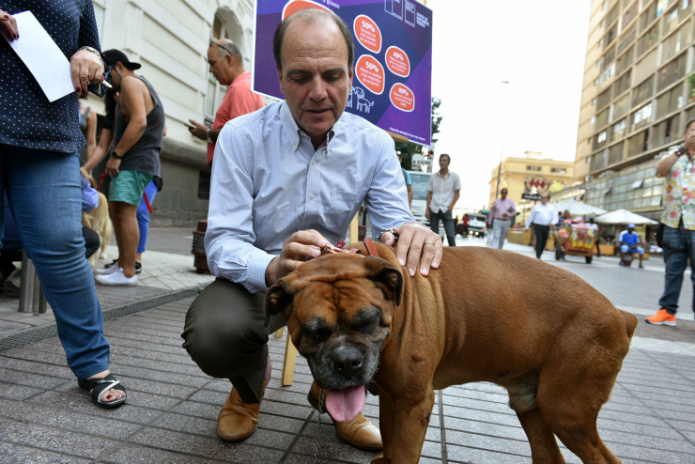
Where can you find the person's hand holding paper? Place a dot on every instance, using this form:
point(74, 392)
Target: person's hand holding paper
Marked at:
point(8, 26)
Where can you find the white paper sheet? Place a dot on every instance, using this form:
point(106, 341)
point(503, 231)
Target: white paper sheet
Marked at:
point(41, 55)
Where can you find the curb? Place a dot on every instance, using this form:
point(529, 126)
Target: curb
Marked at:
point(24, 337)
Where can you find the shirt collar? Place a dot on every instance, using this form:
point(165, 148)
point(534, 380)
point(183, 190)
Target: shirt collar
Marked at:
point(292, 129)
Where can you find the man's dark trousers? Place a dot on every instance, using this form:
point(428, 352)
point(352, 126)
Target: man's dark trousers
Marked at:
point(448, 220)
point(541, 238)
point(225, 334)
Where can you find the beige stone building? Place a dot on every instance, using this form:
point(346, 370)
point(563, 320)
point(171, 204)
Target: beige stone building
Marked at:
point(516, 172)
point(170, 39)
point(637, 96)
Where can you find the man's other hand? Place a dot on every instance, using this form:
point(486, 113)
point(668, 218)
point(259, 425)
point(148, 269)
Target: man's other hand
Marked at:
point(302, 244)
point(416, 244)
point(200, 131)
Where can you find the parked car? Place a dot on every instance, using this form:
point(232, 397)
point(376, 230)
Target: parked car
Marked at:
point(477, 226)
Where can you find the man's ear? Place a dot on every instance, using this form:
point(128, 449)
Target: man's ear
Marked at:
point(386, 276)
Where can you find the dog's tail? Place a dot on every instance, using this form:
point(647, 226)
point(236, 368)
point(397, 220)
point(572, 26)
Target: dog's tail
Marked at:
point(630, 322)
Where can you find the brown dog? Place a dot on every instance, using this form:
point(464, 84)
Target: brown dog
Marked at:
point(553, 341)
point(98, 220)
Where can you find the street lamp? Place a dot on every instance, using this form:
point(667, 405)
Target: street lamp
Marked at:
point(499, 168)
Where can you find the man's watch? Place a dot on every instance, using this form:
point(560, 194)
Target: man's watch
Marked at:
point(682, 150)
point(207, 136)
point(116, 155)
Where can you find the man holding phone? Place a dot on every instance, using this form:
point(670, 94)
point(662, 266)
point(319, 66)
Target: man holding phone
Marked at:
point(227, 65)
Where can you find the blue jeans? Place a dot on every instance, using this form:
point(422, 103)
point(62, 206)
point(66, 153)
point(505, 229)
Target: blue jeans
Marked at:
point(45, 197)
point(144, 215)
point(678, 247)
point(448, 225)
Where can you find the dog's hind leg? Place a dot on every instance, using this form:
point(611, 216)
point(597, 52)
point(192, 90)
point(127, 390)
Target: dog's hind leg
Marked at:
point(522, 399)
point(570, 403)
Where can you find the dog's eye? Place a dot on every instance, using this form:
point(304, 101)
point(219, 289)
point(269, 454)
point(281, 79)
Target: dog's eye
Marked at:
point(318, 335)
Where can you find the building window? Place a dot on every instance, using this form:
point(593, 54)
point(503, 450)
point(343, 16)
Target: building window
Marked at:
point(593, 120)
point(533, 168)
point(558, 170)
point(601, 137)
point(593, 102)
point(99, 6)
point(204, 185)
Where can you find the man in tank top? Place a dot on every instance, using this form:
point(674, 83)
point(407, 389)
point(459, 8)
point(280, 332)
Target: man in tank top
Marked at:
point(138, 132)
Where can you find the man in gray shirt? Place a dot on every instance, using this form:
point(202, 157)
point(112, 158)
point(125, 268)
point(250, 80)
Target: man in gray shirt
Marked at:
point(443, 190)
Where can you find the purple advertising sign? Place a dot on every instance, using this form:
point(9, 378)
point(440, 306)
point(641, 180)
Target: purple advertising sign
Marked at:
point(392, 83)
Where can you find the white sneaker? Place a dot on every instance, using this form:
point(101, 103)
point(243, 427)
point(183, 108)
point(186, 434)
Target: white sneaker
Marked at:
point(108, 270)
point(117, 278)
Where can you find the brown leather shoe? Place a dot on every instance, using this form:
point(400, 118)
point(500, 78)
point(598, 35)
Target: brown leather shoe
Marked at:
point(358, 432)
point(238, 420)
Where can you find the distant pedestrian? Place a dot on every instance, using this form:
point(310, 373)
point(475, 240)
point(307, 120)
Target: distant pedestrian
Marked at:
point(444, 188)
point(227, 65)
point(541, 218)
point(408, 181)
point(678, 220)
point(134, 161)
point(592, 225)
point(465, 220)
point(501, 213)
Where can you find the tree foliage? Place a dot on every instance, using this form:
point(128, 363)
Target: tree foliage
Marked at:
point(407, 149)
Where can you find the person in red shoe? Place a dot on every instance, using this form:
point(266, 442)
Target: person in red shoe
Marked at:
point(678, 219)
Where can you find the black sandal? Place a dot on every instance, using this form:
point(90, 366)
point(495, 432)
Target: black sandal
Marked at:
point(99, 387)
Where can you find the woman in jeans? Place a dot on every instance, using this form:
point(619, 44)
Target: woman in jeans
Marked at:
point(39, 170)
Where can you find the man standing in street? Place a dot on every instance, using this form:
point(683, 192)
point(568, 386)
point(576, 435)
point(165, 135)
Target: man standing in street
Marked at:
point(501, 213)
point(592, 225)
point(408, 181)
point(630, 242)
point(542, 217)
point(268, 215)
point(227, 65)
point(138, 132)
point(678, 219)
point(444, 188)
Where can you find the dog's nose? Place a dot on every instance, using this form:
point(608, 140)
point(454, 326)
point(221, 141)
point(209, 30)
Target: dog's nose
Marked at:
point(347, 360)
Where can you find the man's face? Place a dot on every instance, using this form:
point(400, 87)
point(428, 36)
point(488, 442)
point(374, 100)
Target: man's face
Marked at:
point(116, 72)
point(544, 199)
point(631, 230)
point(219, 64)
point(690, 131)
point(503, 193)
point(444, 162)
point(315, 78)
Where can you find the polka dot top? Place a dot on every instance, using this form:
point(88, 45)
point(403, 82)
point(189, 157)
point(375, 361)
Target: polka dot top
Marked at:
point(27, 118)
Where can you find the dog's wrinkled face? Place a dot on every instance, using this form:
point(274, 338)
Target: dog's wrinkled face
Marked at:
point(338, 310)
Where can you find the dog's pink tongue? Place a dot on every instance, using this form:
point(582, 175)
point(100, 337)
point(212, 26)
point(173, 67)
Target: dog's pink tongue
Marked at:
point(344, 405)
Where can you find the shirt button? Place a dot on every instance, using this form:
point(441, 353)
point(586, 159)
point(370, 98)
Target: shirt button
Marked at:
point(312, 196)
point(294, 146)
point(313, 163)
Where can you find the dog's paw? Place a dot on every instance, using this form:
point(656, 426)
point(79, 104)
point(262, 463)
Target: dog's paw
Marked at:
point(380, 460)
point(103, 256)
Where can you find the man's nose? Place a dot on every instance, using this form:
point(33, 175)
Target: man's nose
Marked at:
point(318, 89)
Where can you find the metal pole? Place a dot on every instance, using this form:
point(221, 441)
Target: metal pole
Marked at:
point(499, 169)
point(26, 290)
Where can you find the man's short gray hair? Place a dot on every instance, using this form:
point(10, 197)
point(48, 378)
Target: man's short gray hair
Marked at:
point(227, 47)
point(310, 16)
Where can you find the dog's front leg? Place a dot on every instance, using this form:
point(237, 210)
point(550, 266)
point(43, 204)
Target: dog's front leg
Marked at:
point(403, 423)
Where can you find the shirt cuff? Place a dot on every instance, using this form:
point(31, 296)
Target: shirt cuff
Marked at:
point(256, 273)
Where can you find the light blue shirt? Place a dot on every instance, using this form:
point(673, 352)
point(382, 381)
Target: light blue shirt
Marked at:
point(268, 182)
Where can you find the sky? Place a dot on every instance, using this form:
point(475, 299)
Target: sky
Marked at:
point(539, 47)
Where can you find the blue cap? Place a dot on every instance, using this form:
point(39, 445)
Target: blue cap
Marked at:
point(630, 226)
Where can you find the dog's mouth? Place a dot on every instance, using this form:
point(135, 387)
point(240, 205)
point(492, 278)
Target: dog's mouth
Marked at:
point(345, 404)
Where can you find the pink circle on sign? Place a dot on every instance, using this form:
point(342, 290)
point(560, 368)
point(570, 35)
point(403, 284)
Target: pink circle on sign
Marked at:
point(402, 97)
point(397, 61)
point(367, 33)
point(293, 6)
point(370, 73)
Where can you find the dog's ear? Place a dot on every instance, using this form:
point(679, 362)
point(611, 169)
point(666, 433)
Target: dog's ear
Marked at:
point(387, 276)
point(279, 296)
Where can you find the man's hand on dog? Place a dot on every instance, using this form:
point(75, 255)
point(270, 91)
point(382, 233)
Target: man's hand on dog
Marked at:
point(415, 246)
point(113, 166)
point(302, 244)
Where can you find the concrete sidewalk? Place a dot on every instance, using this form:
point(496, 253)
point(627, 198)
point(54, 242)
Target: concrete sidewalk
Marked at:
point(172, 406)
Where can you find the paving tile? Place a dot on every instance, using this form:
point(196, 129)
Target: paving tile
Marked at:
point(206, 447)
point(12, 453)
point(52, 439)
point(478, 456)
point(134, 454)
point(17, 392)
